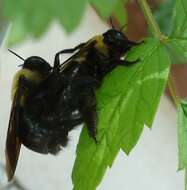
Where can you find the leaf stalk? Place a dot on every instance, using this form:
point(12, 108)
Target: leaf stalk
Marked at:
point(151, 20)
point(158, 34)
point(172, 90)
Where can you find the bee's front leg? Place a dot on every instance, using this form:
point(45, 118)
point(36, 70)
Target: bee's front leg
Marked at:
point(71, 50)
point(130, 63)
point(124, 62)
point(57, 55)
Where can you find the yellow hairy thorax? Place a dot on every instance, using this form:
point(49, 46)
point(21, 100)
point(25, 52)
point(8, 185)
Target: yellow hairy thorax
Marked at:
point(100, 45)
point(30, 75)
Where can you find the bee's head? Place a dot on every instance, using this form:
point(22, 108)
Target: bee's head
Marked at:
point(36, 63)
point(117, 41)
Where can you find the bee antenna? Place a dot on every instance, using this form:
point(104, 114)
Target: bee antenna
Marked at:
point(16, 54)
point(123, 27)
point(111, 23)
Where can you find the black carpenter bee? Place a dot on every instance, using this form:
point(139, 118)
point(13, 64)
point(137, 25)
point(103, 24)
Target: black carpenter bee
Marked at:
point(86, 69)
point(35, 116)
point(48, 102)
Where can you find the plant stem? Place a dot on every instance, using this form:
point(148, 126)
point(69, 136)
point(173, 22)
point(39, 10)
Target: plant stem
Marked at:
point(151, 20)
point(172, 90)
point(158, 34)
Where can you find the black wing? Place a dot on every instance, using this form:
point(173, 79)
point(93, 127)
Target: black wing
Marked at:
point(13, 143)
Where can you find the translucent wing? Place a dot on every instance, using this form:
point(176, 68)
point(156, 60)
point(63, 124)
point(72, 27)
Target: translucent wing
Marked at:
point(13, 143)
point(78, 54)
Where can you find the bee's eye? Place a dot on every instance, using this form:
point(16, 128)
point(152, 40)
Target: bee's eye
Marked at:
point(119, 35)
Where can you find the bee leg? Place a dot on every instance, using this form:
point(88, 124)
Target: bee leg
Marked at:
point(88, 110)
point(56, 67)
point(131, 43)
point(57, 56)
point(90, 117)
point(72, 49)
point(129, 63)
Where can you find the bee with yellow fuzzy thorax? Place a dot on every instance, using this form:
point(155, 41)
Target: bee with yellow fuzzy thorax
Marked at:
point(34, 71)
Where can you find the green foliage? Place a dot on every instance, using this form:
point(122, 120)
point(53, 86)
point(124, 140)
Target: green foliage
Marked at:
point(179, 20)
point(120, 13)
point(178, 37)
point(129, 96)
point(172, 19)
point(178, 44)
point(163, 15)
point(178, 50)
point(182, 137)
point(28, 18)
point(70, 13)
point(127, 100)
point(104, 7)
point(32, 18)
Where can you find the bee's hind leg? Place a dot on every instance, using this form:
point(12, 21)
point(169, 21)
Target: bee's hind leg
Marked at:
point(88, 110)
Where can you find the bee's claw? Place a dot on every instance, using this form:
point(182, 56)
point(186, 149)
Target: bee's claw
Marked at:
point(95, 139)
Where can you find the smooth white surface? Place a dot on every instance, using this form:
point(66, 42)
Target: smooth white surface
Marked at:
point(152, 165)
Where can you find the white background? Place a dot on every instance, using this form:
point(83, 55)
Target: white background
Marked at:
point(152, 165)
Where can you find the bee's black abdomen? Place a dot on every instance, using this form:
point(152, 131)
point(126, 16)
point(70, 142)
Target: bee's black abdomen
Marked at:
point(42, 137)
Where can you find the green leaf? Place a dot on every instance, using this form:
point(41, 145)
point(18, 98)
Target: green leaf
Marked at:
point(38, 16)
point(12, 8)
point(17, 32)
point(178, 37)
point(70, 13)
point(178, 50)
point(185, 179)
point(182, 138)
point(120, 12)
point(32, 18)
point(104, 7)
point(180, 20)
point(163, 15)
point(3, 24)
point(182, 135)
point(127, 100)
